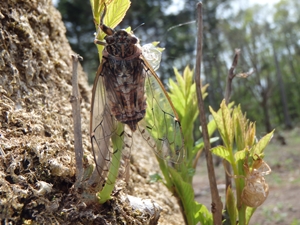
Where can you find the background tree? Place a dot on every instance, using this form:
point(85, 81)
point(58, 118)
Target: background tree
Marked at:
point(78, 19)
point(167, 28)
point(226, 27)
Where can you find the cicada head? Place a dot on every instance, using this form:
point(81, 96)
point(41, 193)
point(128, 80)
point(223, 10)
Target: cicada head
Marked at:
point(121, 44)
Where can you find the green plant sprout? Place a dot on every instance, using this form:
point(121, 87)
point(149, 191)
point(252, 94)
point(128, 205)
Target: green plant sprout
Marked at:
point(105, 193)
point(237, 132)
point(179, 177)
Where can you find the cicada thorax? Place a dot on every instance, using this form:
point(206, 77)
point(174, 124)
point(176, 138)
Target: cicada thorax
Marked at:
point(124, 78)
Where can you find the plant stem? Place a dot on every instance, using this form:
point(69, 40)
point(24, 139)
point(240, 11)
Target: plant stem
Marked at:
point(231, 75)
point(105, 193)
point(216, 201)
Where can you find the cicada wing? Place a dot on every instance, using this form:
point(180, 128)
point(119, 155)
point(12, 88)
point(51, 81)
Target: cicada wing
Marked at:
point(101, 128)
point(104, 127)
point(161, 120)
point(262, 167)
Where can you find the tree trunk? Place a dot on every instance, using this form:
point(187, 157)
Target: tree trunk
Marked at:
point(283, 98)
point(265, 107)
point(37, 168)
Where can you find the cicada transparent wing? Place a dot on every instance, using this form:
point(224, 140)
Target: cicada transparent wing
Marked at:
point(103, 128)
point(261, 167)
point(161, 120)
point(152, 54)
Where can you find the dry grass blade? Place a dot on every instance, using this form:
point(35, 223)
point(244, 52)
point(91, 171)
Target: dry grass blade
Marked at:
point(75, 101)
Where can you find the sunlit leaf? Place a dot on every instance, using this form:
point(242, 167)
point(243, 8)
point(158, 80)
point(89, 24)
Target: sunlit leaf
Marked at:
point(186, 192)
point(231, 205)
point(203, 215)
point(228, 127)
point(249, 213)
point(262, 143)
point(222, 152)
point(240, 155)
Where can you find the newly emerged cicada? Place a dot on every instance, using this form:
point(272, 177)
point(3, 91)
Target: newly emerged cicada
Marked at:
point(127, 91)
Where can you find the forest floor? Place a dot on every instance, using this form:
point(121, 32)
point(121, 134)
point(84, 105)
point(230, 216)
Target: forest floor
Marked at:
point(282, 206)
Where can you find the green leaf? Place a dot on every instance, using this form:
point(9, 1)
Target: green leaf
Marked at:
point(239, 128)
point(244, 129)
point(224, 124)
point(219, 121)
point(188, 79)
point(260, 146)
point(116, 11)
point(240, 155)
point(249, 213)
point(228, 127)
point(211, 126)
point(96, 9)
point(251, 132)
point(222, 152)
point(182, 94)
point(177, 98)
point(230, 206)
point(180, 80)
point(186, 194)
point(203, 215)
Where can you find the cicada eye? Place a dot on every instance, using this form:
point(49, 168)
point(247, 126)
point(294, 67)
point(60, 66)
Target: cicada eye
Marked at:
point(133, 40)
point(109, 40)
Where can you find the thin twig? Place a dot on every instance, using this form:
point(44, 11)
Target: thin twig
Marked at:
point(75, 101)
point(216, 201)
point(231, 75)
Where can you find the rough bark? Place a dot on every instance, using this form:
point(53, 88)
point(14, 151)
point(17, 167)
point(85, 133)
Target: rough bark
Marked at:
point(37, 161)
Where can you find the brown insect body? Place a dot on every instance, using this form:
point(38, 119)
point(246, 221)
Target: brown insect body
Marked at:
point(124, 78)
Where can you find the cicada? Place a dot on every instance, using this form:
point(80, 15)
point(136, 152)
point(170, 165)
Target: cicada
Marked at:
point(127, 91)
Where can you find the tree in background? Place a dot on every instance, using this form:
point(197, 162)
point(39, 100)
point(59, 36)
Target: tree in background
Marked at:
point(78, 19)
point(269, 47)
point(167, 28)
